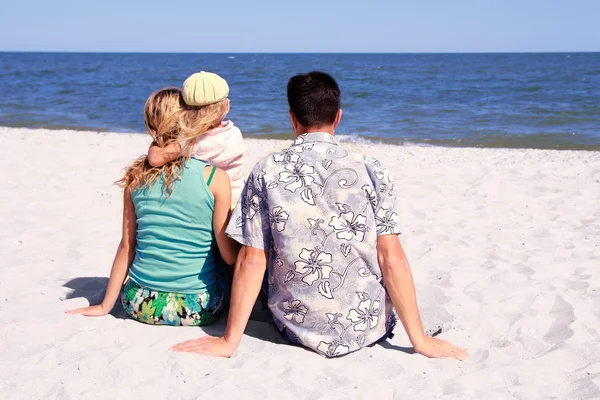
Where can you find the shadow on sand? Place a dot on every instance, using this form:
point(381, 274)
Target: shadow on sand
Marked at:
point(259, 327)
point(92, 289)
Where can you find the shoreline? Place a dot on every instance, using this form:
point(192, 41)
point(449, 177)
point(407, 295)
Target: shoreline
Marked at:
point(343, 138)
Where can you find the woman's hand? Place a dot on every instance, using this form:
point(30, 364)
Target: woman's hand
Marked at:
point(208, 346)
point(436, 348)
point(91, 311)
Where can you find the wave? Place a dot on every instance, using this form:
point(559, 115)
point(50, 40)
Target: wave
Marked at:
point(541, 141)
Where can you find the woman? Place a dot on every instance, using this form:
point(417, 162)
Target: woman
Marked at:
point(174, 220)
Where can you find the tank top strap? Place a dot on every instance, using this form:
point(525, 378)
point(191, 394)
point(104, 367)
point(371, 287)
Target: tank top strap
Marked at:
point(210, 177)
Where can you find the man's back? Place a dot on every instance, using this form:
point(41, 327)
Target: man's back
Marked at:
point(323, 223)
point(318, 209)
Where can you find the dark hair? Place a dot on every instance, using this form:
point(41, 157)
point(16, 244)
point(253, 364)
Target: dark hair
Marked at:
point(314, 98)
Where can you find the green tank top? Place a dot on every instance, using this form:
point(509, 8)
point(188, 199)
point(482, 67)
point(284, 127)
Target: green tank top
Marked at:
point(175, 250)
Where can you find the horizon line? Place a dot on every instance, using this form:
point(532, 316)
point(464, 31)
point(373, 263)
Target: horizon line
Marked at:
point(299, 53)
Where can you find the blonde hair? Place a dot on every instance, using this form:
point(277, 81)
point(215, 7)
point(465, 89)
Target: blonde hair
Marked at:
point(196, 121)
point(161, 117)
point(169, 120)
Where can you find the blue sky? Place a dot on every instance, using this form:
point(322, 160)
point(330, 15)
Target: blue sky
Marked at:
point(300, 26)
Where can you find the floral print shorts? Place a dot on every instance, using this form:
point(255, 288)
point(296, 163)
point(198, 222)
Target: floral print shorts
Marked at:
point(164, 308)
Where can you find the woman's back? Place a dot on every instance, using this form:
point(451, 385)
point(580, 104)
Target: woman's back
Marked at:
point(172, 229)
point(175, 238)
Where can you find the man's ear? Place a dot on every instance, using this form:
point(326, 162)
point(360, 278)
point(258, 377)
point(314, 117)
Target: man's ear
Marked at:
point(295, 124)
point(338, 118)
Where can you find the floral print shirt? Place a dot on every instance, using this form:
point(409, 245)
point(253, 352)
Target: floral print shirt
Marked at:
point(318, 210)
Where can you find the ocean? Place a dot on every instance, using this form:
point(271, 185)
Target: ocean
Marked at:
point(549, 101)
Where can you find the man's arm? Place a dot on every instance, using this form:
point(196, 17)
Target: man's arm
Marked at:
point(159, 156)
point(252, 230)
point(401, 289)
point(247, 280)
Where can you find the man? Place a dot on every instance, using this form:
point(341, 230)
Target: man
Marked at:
point(323, 223)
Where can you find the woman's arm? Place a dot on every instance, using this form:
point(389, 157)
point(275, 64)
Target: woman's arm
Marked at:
point(121, 263)
point(221, 190)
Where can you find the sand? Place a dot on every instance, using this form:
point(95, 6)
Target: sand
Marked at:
point(504, 246)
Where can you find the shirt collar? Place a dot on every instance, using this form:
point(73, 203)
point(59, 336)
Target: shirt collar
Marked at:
point(314, 137)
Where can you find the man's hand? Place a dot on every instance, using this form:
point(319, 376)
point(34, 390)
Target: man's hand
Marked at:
point(91, 311)
point(208, 346)
point(401, 289)
point(249, 271)
point(436, 348)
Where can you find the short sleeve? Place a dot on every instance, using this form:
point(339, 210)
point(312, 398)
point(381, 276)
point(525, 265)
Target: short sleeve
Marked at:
point(249, 223)
point(383, 198)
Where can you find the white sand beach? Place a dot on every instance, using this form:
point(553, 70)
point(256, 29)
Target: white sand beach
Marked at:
point(504, 246)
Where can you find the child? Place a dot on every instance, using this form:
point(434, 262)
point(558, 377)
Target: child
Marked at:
point(204, 133)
